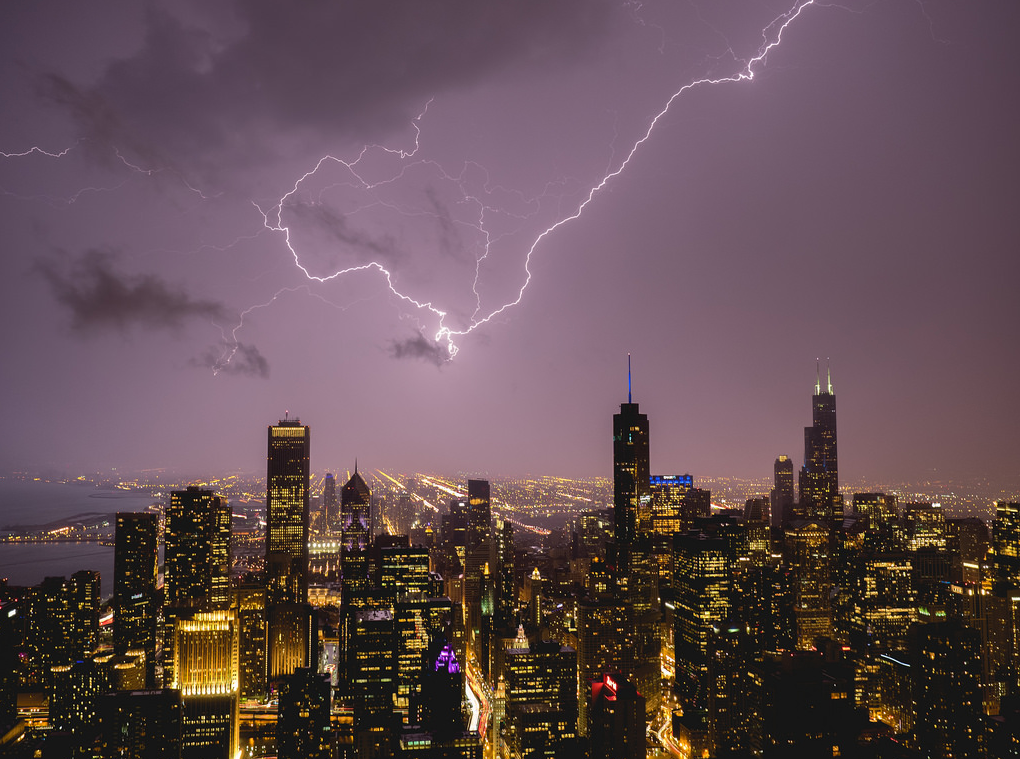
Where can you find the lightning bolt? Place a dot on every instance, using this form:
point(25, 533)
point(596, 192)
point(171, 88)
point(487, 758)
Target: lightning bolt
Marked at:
point(772, 36)
point(483, 211)
point(40, 151)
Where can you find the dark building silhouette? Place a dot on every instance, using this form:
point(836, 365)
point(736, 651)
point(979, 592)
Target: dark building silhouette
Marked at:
point(616, 724)
point(372, 669)
point(819, 476)
point(142, 724)
point(355, 507)
point(733, 711)
point(631, 477)
point(330, 504)
point(12, 615)
point(602, 627)
point(135, 603)
point(807, 706)
point(781, 497)
point(949, 722)
point(477, 555)
point(442, 732)
point(355, 513)
point(303, 721)
point(635, 563)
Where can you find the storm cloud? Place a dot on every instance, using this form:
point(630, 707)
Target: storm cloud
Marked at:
point(421, 348)
point(237, 359)
point(212, 82)
point(98, 297)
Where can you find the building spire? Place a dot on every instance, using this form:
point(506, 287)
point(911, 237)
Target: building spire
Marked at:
point(828, 373)
point(628, 380)
point(355, 464)
point(818, 378)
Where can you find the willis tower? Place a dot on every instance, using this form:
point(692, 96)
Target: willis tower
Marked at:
point(819, 477)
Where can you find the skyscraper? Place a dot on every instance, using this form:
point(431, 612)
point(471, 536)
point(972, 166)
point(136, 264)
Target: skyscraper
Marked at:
point(206, 673)
point(134, 587)
point(355, 513)
point(702, 585)
point(83, 613)
point(288, 614)
point(635, 576)
point(330, 504)
point(302, 727)
point(197, 550)
point(476, 557)
point(782, 491)
point(287, 512)
point(356, 536)
point(819, 477)
point(631, 476)
point(668, 492)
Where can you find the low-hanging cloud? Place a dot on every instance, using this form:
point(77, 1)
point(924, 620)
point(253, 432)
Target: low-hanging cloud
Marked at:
point(421, 348)
point(98, 297)
point(237, 359)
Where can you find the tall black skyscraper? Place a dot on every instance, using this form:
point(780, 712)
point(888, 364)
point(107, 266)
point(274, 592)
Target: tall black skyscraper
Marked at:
point(134, 587)
point(476, 556)
point(782, 492)
point(631, 476)
point(355, 536)
point(287, 476)
point(635, 564)
point(819, 480)
point(330, 504)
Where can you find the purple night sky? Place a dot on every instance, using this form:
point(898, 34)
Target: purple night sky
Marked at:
point(857, 200)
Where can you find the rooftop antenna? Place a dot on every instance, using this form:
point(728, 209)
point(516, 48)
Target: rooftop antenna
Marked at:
point(628, 380)
point(818, 378)
point(828, 373)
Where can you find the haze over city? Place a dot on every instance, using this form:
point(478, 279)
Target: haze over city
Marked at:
point(853, 202)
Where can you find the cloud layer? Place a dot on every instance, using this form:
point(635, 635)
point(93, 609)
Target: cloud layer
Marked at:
point(202, 85)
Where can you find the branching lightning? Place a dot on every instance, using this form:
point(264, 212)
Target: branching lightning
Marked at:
point(273, 218)
point(446, 329)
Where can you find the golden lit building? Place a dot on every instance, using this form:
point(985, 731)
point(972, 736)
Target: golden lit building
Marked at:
point(206, 674)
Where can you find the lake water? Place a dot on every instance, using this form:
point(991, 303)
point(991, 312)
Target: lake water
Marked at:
point(27, 502)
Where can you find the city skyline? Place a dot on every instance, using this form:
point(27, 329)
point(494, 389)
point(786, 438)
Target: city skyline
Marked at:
point(853, 202)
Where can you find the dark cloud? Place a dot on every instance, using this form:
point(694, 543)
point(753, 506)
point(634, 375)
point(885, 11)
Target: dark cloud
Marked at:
point(449, 238)
point(98, 297)
point(201, 86)
point(339, 227)
point(235, 359)
point(421, 348)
